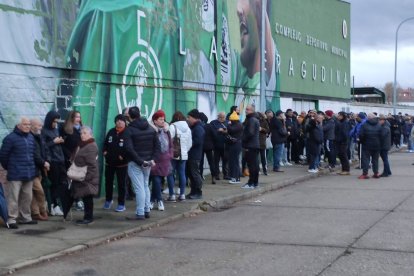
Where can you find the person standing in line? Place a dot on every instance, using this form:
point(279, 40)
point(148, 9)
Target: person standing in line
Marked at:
point(219, 127)
point(87, 155)
point(329, 139)
point(292, 139)
point(369, 136)
point(181, 133)
point(264, 131)
point(250, 142)
point(194, 155)
point(38, 206)
point(342, 128)
point(129, 192)
point(163, 166)
point(208, 148)
point(57, 172)
point(17, 156)
point(385, 145)
point(142, 148)
point(279, 136)
point(116, 162)
point(233, 143)
point(315, 141)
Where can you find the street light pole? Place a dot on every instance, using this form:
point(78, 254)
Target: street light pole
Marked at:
point(263, 59)
point(394, 94)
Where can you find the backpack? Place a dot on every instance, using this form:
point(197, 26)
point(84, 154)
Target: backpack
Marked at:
point(176, 145)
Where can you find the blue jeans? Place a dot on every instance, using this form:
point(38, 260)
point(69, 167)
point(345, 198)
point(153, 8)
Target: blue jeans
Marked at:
point(179, 167)
point(277, 155)
point(156, 188)
point(140, 178)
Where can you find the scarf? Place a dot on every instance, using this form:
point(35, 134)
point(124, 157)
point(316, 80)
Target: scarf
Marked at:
point(163, 137)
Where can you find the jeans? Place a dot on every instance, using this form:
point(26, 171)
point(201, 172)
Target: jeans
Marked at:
point(193, 173)
point(314, 157)
point(252, 161)
point(366, 155)
point(234, 161)
point(140, 178)
point(178, 166)
point(156, 188)
point(220, 154)
point(343, 156)
point(121, 173)
point(330, 152)
point(384, 157)
point(277, 155)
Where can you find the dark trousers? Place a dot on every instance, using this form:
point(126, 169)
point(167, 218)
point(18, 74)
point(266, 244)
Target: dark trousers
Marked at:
point(330, 152)
point(263, 159)
point(251, 157)
point(220, 154)
point(234, 160)
point(88, 204)
point(292, 150)
point(384, 157)
point(210, 160)
point(193, 173)
point(58, 178)
point(121, 173)
point(366, 156)
point(343, 156)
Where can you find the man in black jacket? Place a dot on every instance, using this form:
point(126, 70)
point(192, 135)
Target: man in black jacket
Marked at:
point(278, 138)
point(250, 142)
point(342, 128)
point(195, 154)
point(142, 148)
point(292, 139)
point(17, 155)
point(329, 138)
point(385, 145)
point(369, 136)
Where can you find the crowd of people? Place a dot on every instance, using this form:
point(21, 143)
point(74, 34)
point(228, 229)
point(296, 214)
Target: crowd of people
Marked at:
point(54, 166)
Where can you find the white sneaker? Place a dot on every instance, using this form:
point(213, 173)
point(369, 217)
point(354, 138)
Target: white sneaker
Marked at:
point(161, 206)
point(288, 164)
point(234, 181)
point(152, 205)
point(281, 164)
point(166, 191)
point(178, 191)
point(313, 171)
point(181, 198)
point(56, 211)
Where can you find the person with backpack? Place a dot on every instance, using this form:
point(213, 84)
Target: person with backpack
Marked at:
point(182, 142)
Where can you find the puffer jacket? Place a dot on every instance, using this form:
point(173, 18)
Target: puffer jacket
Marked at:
point(141, 142)
point(184, 133)
point(49, 134)
point(197, 134)
point(329, 129)
point(278, 131)
point(250, 138)
point(163, 164)
point(385, 136)
point(87, 156)
point(17, 156)
point(370, 134)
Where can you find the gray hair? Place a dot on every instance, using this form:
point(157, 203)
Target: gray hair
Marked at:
point(88, 129)
point(371, 116)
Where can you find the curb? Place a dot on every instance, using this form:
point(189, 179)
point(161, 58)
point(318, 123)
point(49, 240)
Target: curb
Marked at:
point(196, 209)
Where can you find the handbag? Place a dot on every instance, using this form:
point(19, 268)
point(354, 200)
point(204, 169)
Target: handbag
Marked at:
point(75, 172)
point(176, 145)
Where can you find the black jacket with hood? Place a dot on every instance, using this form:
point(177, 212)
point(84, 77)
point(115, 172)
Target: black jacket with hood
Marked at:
point(49, 134)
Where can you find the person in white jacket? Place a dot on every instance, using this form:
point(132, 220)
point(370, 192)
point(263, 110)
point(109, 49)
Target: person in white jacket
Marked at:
point(182, 142)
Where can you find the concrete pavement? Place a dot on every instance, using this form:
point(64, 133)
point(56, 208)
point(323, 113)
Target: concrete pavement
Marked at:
point(31, 244)
point(330, 225)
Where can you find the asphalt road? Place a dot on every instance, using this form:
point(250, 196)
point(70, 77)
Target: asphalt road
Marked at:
point(331, 225)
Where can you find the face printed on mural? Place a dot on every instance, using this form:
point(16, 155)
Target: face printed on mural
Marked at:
point(249, 31)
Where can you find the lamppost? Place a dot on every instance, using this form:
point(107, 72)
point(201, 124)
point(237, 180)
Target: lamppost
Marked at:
point(394, 94)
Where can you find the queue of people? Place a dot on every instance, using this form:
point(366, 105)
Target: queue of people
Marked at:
point(145, 153)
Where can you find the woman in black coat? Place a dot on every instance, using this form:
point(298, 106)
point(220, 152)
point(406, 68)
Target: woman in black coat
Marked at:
point(315, 142)
point(234, 144)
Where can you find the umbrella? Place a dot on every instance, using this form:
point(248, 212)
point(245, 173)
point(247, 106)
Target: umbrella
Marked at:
point(66, 198)
point(3, 206)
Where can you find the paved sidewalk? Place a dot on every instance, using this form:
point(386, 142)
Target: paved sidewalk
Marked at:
point(32, 244)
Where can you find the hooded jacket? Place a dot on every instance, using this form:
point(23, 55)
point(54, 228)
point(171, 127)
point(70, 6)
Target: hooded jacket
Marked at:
point(17, 156)
point(141, 142)
point(370, 134)
point(385, 136)
point(184, 133)
point(49, 134)
point(197, 134)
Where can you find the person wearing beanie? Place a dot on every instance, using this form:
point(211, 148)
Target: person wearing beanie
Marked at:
point(279, 137)
point(208, 148)
point(329, 139)
point(385, 145)
point(142, 148)
point(163, 166)
point(195, 154)
point(219, 127)
point(234, 147)
point(116, 162)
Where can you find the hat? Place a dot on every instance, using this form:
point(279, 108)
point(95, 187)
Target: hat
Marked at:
point(278, 112)
point(382, 117)
point(329, 113)
point(362, 115)
point(160, 113)
point(194, 113)
point(120, 117)
point(234, 116)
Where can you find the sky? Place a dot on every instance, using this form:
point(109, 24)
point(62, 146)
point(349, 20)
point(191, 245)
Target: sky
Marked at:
point(373, 28)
